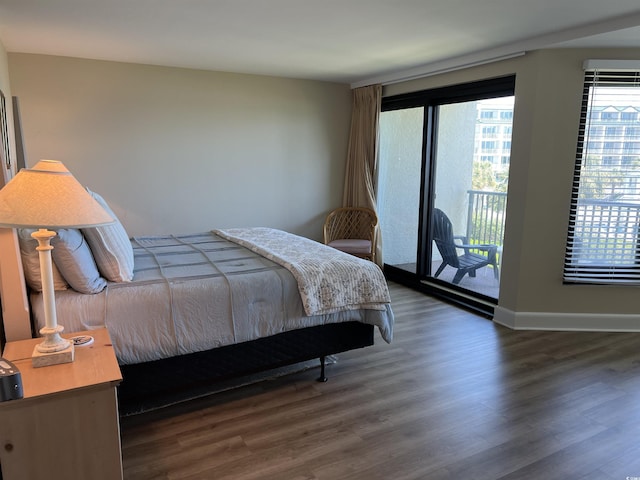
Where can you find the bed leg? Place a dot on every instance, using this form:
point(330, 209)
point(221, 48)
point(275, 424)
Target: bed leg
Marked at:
point(322, 377)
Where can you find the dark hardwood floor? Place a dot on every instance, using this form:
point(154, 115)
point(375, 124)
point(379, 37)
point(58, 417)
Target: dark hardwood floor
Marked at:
point(453, 397)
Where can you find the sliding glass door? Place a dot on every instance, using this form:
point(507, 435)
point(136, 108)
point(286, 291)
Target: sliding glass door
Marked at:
point(443, 176)
point(399, 185)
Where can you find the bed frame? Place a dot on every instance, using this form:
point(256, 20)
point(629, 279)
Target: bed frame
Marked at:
point(148, 385)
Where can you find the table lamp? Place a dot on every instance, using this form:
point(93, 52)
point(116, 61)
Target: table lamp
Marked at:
point(47, 197)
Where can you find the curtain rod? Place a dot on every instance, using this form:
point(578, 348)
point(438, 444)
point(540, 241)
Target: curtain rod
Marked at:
point(434, 69)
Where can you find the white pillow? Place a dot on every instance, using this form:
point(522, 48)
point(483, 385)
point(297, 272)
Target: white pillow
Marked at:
point(111, 247)
point(31, 262)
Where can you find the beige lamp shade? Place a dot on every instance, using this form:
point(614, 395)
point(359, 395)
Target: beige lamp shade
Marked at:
point(48, 196)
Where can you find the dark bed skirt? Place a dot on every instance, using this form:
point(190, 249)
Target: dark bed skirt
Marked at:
point(171, 377)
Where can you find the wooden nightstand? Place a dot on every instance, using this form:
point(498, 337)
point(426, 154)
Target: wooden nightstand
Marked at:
point(67, 424)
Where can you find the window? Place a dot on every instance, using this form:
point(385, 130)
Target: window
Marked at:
point(611, 147)
point(594, 146)
point(603, 242)
point(631, 148)
point(596, 131)
point(632, 132)
point(613, 132)
point(609, 160)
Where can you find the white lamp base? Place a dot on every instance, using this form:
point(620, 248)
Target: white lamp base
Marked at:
point(40, 359)
point(53, 350)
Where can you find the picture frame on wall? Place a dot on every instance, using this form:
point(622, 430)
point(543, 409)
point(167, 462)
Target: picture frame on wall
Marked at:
point(5, 155)
point(19, 161)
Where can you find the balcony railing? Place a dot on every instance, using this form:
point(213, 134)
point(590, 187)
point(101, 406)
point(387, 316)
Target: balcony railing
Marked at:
point(607, 231)
point(485, 217)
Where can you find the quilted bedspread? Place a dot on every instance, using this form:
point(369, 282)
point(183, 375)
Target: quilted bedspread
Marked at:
point(329, 280)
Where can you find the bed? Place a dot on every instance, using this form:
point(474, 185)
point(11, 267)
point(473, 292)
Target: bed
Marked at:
point(196, 309)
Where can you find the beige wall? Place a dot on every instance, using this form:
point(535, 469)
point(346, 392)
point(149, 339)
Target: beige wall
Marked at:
point(546, 116)
point(178, 150)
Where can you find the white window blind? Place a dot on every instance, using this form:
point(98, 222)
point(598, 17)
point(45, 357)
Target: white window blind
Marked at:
point(603, 244)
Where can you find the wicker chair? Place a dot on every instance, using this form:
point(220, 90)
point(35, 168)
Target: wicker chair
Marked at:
point(352, 230)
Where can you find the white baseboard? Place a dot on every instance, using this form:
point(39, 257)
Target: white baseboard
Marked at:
point(602, 322)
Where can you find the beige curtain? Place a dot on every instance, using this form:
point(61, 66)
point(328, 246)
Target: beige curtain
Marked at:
point(362, 155)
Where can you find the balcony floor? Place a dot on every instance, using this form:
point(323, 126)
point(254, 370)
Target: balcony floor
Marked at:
point(483, 283)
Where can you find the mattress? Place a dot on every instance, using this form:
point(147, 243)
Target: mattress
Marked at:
point(193, 293)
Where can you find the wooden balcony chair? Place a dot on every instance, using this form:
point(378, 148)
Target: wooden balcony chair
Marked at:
point(352, 230)
point(468, 261)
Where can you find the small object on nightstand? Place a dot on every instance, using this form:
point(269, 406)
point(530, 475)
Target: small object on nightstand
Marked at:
point(82, 340)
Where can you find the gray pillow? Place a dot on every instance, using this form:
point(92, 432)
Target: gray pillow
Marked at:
point(73, 258)
point(31, 262)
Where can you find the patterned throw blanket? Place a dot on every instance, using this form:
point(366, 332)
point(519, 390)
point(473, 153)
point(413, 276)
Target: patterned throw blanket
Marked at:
point(329, 281)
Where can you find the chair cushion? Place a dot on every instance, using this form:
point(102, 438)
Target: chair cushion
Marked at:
point(352, 245)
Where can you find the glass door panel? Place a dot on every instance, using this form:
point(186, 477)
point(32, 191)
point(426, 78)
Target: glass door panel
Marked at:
point(473, 144)
point(398, 190)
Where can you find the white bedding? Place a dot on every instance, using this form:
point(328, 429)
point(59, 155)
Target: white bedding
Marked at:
point(193, 293)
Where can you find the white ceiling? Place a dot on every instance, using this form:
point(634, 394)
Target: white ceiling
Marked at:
point(348, 41)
